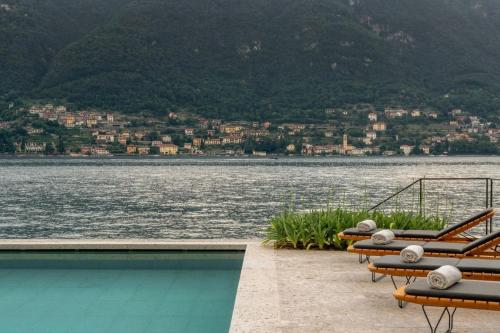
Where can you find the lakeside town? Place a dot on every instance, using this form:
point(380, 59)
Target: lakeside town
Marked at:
point(55, 129)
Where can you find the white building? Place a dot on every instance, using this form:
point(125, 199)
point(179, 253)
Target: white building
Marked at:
point(406, 149)
point(372, 116)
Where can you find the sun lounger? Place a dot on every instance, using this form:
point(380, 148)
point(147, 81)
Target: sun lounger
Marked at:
point(450, 233)
point(485, 247)
point(465, 294)
point(472, 269)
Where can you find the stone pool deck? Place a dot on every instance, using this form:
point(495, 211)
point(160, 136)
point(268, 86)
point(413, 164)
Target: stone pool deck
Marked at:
point(325, 291)
point(297, 291)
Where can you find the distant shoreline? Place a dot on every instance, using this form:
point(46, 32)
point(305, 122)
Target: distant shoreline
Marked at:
point(249, 157)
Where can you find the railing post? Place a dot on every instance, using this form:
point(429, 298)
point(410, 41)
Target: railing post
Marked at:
point(487, 202)
point(420, 197)
point(491, 203)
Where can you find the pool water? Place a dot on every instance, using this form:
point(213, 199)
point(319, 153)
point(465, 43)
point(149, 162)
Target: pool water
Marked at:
point(117, 292)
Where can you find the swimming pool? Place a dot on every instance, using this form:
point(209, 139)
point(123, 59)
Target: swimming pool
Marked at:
point(129, 291)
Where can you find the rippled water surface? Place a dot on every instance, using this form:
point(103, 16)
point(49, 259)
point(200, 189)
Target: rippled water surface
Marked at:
point(215, 198)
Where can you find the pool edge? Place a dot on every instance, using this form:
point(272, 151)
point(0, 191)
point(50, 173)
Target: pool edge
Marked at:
point(128, 244)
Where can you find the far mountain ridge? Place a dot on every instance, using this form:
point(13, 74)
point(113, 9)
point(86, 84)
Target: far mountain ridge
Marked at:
point(253, 59)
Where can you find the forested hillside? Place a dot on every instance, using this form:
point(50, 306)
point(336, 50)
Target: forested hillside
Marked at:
point(252, 58)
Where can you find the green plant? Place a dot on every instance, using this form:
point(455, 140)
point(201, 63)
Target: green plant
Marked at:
point(319, 228)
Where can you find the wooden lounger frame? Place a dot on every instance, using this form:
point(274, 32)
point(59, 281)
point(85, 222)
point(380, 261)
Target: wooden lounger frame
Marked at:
point(452, 236)
point(411, 274)
point(356, 238)
point(401, 295)
point(485, 251)
point(406, 272)
point(446, 303)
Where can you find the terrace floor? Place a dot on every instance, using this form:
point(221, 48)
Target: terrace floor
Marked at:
point(326, 291)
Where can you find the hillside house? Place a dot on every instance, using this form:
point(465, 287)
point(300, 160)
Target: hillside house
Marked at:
point(372, 116)
point(104, 137)
point(325, 150)
point(143, 150)
point(131, 149)
point(35, 147)
point(139, 135)
point(91, 122)
point(69, 120)
point(99, 151)
point(459, 137)
point(406, 149)
point(85, 150)
point(379, 127)
point(432, 115)
point(204, 123)
point(256, 133)
point(197, 142)
point(232, 140)
point(32, 130)
point(416, 113)
point(307, 149)
point(294, 127)
point(156, 143)
point(169, 149)
point(259, 153)
point(426, 150)
point(212, 142)
point(231, 128)
point(395, 112)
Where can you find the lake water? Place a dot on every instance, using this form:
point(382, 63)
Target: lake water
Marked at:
point(216, 198)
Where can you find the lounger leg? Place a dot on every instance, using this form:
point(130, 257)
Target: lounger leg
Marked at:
point(409, 279)
point(375, 278)
point(362, 260)
point(450, 319)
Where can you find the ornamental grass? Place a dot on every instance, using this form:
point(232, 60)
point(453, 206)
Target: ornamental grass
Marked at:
point(319, 228)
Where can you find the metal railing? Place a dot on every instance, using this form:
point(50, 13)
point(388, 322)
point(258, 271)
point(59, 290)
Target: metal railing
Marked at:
point(488, 193)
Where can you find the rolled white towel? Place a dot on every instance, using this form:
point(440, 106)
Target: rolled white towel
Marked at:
point(444, 277)
point(367, 225)
point(412, 253)
point(383, 237)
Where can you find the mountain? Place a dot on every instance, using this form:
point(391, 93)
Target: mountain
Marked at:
point(252, 58)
